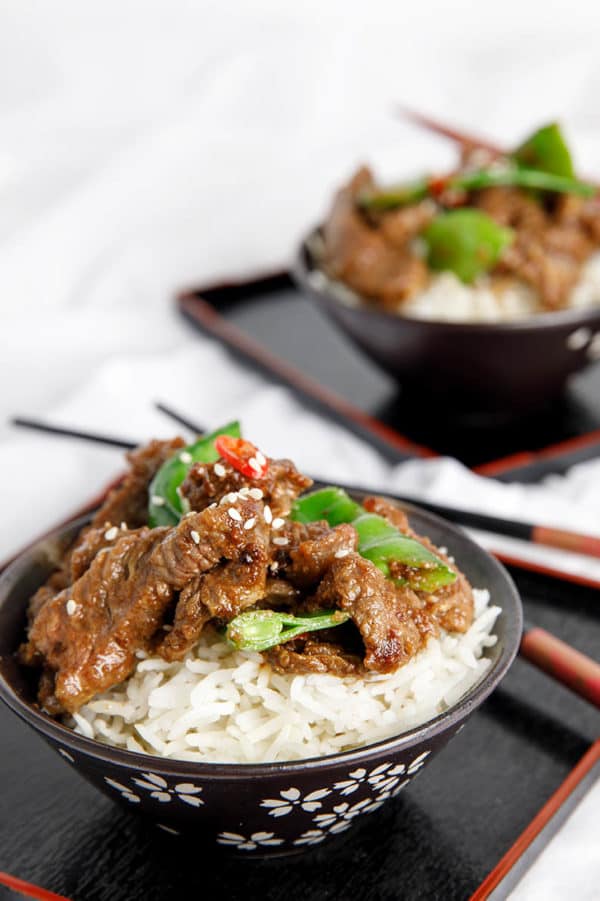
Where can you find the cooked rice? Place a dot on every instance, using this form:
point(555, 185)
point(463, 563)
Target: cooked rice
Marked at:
point(229, 706)
point(447, 299)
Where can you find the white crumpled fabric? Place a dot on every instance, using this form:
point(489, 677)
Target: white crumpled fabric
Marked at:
point(150, 145)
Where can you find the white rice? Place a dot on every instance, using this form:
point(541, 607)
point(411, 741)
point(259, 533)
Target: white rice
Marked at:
point(447, 299)
point(229, 706)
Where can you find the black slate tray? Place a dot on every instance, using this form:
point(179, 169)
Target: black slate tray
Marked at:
point(440, 838)
point(271, 310)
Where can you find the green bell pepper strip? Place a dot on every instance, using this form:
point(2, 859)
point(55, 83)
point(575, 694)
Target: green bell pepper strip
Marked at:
point(546, 150)
point(466, 242)
point(258, 630)
point(165, 504)
point(331, 504)
point(512, 176)
point(378, 540)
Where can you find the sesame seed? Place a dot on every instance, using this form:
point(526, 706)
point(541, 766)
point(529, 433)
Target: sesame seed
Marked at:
point(254, 464)
point(123, 526)
point(277, 523)
point(185, 457)
point(255, 493)
point(250, 522)
point(235, 514)
point(274, 567)
point(195, 537)
point(71, 606)
point(219, 470)
point(281, 542)
point(230, 498)
point(261, 459)
point(157, 500)
point(111, 533)
point(268, 514)
point(343, 552)
point(243, 492)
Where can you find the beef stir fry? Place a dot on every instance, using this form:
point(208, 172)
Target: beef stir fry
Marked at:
point(523, 218)
point(314, 581)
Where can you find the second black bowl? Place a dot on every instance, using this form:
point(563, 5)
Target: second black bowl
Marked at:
point(474, 367)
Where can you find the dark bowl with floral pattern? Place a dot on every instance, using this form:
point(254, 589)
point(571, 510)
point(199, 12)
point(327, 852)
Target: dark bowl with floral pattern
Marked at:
point(256, 809)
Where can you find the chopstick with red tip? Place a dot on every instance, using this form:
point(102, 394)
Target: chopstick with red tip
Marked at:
point(561, 661)
point(448, 131)
point(547, 536)
point(29, 889)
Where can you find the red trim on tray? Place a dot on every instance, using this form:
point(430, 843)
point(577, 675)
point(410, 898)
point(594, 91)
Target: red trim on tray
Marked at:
point(203, 312)
point(525, 458)
point(500, 871)
point(29, 889)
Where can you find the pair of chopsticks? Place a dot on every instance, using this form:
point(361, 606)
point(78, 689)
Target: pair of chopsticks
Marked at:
point(546, 536)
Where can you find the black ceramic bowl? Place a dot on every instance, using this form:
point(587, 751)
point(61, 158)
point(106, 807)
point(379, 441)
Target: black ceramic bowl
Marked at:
point(471, 367)
point(267, 808)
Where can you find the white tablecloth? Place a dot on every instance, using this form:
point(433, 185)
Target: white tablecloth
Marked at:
point(149, 145)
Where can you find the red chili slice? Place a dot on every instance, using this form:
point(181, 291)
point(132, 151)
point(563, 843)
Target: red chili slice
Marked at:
point(243, 456)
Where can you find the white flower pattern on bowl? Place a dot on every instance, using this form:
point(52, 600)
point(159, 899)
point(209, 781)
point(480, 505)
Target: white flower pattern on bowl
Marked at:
point(66, 755)
point(340, 817)
point(384, 778)
point(123, 790)
point(385, 781)
point(292, 797)
point(159, 789)
point(311, 837)
point(264, 839)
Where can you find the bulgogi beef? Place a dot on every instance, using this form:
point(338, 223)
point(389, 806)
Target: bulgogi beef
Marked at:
point(375, 239)
point(128, 588)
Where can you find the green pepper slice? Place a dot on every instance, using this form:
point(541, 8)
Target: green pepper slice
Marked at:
point(466, 242)
point(165, 504)
point(378, 540)
point(258, 630)
point(546, 149)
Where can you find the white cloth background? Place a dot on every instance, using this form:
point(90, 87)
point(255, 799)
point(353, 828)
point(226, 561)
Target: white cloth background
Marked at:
point(146, 145)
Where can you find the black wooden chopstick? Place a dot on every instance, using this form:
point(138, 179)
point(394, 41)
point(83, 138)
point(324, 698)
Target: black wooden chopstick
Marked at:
point(536, 534)
point(196, 428)
point(39, 426)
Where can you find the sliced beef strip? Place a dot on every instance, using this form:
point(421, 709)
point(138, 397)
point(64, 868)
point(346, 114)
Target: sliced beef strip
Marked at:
point(221, 593)
point(313, 656)
point(310, 560)
point(128, 502)
point(550, 245)
point(390, 620)
point(389, 510)
point(401, 226)
point(359, 254)
point(452, 605)
point(120, 600)
point(280, 487)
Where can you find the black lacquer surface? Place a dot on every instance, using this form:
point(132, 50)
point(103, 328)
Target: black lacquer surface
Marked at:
point(289, 324)
point(440, 837)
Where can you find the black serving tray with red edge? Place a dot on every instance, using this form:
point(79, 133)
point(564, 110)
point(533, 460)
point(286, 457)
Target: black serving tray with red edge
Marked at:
point(458, 823)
